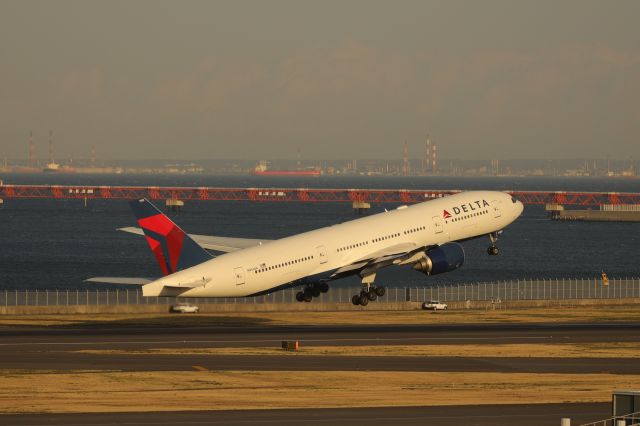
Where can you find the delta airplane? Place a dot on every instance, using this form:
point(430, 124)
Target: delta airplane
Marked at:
point(425, 236)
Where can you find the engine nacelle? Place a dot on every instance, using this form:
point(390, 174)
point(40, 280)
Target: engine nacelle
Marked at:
point(444, 258)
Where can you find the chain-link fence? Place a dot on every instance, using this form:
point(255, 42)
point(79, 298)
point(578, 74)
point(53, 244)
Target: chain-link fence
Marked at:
point(525, 289)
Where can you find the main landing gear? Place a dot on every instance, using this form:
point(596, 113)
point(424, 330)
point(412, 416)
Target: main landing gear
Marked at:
point(311, 291)
point(493, 250)
point(368, 293)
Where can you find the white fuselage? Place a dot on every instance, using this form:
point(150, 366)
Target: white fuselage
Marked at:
point(277, 263)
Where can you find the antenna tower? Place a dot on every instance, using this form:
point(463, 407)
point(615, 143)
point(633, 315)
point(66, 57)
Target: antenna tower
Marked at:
point(50, 146)
point(427, 156)
point(434, 162)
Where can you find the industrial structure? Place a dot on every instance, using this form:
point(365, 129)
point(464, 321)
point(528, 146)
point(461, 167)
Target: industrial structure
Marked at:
point(406, 196)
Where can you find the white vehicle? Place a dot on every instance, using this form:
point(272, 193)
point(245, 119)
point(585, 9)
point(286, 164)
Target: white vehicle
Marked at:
point(424, 236)
point(184, 308)
point(435, 305)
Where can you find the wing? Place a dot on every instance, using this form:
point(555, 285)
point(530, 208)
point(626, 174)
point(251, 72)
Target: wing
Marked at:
point(398, 254)
point(209, 242)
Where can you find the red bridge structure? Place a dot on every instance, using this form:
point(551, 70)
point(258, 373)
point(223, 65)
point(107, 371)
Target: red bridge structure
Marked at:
point(314, 195)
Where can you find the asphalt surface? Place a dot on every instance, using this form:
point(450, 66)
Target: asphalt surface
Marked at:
point(55, 348)
point(61, 361)
point(481, 415)
point(135, 336)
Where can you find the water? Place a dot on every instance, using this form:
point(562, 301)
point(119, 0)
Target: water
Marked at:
point(59, 243)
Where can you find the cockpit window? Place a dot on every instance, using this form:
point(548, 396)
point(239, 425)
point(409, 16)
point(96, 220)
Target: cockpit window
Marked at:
point(514, 200)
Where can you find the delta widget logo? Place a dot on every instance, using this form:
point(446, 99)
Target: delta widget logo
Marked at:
point(446, 214)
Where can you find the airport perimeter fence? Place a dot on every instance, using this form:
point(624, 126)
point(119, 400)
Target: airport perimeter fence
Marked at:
point(525, 289)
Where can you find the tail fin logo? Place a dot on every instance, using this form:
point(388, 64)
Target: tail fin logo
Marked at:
point(167, 242)
point(173, 248)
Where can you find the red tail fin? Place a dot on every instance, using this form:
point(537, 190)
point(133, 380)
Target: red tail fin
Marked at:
point(173, 248)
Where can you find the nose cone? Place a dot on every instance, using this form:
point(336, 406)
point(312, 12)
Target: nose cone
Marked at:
point(519, 208)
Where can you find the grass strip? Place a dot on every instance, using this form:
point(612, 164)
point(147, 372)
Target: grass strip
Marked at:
point(556, 314)
point(517, 350)
point(32, 392)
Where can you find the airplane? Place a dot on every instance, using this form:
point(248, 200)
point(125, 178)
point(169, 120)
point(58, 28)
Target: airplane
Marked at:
point(425, 236)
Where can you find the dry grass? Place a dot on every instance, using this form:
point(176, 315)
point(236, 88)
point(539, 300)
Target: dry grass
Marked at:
point(528, 315)
point(525, 350)
point(22, 392)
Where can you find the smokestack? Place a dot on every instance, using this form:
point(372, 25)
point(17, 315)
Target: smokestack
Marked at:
point(50, 146)
point(30, 163)
point(405, 160)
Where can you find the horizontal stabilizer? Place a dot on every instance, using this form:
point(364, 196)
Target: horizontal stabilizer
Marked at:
point(120, 280)
point(210, 242)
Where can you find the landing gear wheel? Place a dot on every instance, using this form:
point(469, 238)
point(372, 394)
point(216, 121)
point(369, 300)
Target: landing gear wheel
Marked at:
point(493, 251)
point(300, 296)
point(364, 300)
point(307, 297)
point(324, 287)
point(355, 299)
point(315, 291)
point(380, 291)
point(371, 295)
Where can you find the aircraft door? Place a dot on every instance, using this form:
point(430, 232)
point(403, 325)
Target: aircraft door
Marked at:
point(438, 225)
point(321, 252)
point(239, 273)
point(496, 208)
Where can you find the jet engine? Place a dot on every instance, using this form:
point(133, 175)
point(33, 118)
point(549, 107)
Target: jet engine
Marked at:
point(444, 258)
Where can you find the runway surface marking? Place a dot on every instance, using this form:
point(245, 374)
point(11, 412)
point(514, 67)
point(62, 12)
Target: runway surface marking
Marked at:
point(199, 368)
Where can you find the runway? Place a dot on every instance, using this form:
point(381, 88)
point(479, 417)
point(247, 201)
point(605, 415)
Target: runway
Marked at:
point(68, 361)
point(481, 415)
point(124, 335)
point(56, 349)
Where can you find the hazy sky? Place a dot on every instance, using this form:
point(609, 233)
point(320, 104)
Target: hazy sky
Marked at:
point(336, 79)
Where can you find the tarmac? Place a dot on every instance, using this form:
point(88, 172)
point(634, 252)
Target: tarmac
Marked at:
point(480, 415)
point(54, 348)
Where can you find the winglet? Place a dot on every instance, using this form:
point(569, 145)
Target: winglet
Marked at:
point(173, 248)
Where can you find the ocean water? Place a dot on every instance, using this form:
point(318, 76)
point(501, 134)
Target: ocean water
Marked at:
point(59, 243)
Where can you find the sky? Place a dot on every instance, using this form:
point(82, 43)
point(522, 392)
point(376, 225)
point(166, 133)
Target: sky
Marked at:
point(344, 79)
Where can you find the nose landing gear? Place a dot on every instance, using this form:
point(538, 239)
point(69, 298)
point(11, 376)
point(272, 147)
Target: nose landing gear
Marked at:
point(493, 250)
